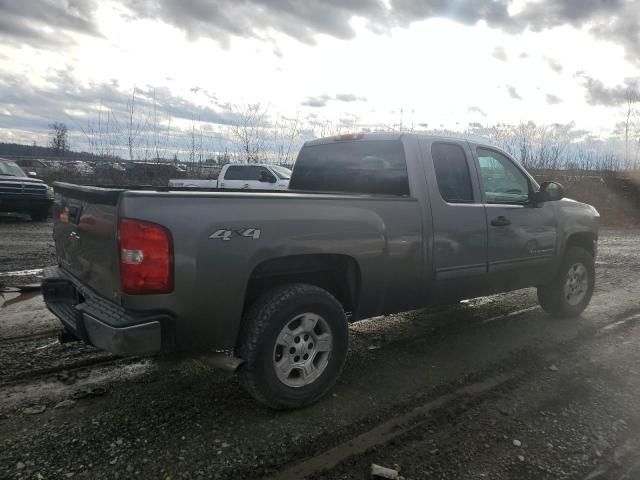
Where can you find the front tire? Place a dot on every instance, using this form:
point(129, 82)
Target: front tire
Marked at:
point(294, 342)
point(570, 292)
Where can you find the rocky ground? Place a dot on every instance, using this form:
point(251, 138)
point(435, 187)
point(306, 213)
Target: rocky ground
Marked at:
point(490, 388)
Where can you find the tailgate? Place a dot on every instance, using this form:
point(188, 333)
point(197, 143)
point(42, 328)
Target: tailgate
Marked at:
point(85, 233)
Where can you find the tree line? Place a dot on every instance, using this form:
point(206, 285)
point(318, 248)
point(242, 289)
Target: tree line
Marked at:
point(143, 130)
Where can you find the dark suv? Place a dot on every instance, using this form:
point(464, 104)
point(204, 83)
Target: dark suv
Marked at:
point(21, 193)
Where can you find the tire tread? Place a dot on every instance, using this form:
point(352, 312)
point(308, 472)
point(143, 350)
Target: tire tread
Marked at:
point(550, 297)
point(254, 324)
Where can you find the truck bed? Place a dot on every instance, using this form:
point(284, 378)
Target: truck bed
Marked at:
point(213, 253)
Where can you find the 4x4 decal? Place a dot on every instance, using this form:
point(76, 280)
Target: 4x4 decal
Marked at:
point(225, 234)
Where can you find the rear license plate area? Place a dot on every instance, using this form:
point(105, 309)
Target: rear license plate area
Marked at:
point(61, 291)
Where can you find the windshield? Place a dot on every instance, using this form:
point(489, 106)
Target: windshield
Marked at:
point(12, 169)
point(282, 172)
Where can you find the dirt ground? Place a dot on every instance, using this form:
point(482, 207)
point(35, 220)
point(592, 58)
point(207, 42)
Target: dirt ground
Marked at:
point(490, 388)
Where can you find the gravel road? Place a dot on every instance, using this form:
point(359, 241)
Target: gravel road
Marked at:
point(488, 388)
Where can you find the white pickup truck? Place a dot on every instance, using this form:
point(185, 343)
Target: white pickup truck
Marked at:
point(242, 176)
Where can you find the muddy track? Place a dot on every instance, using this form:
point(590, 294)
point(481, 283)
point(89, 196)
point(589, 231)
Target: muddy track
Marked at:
point(65, 368)
point(444, 428)
point(438, 407)
point(51, 333)
point(398, 423)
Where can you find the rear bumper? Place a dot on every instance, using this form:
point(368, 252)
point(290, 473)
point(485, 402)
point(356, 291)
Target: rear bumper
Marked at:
point(102, 323)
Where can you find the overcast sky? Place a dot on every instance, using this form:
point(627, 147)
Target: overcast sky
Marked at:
point(441, 62)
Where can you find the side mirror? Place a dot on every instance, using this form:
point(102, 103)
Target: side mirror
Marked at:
point(32, 174)
point(549, 192)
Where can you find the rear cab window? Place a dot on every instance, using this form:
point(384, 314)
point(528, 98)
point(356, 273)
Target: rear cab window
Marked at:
point(452, 172)
point(357, 166)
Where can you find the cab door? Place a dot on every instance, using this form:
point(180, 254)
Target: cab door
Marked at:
point(459, 251)
point(263, 179)
point(521, 235)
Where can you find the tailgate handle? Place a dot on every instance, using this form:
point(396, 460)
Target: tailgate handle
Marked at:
point(74, 214)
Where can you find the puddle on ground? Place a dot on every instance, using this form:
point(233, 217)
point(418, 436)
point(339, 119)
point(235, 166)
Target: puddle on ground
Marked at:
point(12, 295)
point(619, 323)
point(51, 389)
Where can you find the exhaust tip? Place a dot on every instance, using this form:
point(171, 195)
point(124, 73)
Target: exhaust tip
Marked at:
point(220, 361)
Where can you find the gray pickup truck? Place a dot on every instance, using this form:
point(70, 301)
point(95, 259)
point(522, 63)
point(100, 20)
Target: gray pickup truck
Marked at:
point(372, 224)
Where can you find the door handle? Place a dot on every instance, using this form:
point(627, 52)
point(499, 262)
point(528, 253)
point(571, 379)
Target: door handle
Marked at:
point(501, 221)
point(246, 185)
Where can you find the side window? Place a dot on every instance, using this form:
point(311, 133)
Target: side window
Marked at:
point(266, 172)
point(252, 173)
point(502, 181)
point(235, 172)
point(452, 172)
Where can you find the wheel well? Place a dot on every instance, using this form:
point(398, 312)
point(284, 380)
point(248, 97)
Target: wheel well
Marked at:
point(584, 240)
point(338, 274)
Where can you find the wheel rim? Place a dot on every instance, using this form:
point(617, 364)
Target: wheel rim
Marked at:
point(576, 284)
point(302, 350)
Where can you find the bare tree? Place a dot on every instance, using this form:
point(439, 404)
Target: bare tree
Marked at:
point(60, 138)
point(630, 112)
point(134, 127)
point(248, 130)
point(286, 136)
point(524, 136)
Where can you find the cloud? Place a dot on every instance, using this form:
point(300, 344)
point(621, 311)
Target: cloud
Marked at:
point(599, 94)
point(322, 100)
point(554, 65)
point(476, 109)
point(222, 19)
point(316, 102)
point(513, 93)
point(349, 97)
point(35, 108)
point(611, 20)
point(553, 99)
point(25, 21)
point(499, 54)
point(304, 20)
point(468, 13)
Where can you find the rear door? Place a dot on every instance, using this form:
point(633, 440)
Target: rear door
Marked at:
point(521, 235)
point(459, 221)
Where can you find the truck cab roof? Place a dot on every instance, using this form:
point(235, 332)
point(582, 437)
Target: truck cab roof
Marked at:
point(393, 136)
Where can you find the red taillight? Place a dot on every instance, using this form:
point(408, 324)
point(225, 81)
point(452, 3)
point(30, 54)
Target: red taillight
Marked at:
point(146, 257)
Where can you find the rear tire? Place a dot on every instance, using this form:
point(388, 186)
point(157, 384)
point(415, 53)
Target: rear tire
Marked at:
point(40, 215)
point(570, 291)
point(294, 342)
